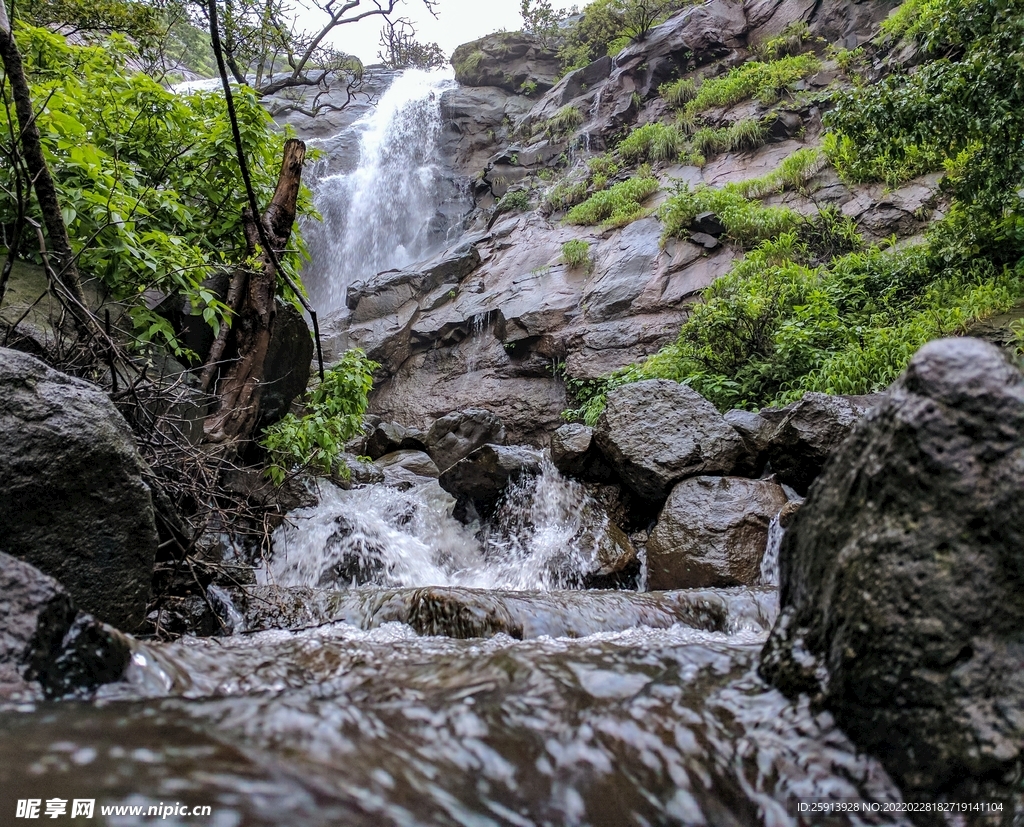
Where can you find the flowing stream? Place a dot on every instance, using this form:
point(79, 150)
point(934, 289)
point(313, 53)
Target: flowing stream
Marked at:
point(458, 682)
point(394, 667)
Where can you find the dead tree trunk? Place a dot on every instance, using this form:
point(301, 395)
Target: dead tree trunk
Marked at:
point(241, 383)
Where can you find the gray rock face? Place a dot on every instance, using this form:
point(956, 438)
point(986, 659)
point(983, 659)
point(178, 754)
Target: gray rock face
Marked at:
point(574, 453)
point(902, 577)
point(404, 469)
point(386, 437)
point(806, 435)
point(36, 612)
point(456, 435)
point(72, 498)
point(712, 532)
point(43, 645)
point(358, 472)
point(508, 60)
point(655, 433)
point(755, 431)
point(480, 479)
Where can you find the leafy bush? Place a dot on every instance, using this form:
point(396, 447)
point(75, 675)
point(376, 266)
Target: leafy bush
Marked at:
point(748, 133)
point(576, 253)
point(148, 179)
point(678, 93)
point(564, 120)
point(618, 206)
point(564, 195)
point(746, 221)
point(607, 26)
point(514, 201)
point(789, 41)
point(334, 415)
point(792, 174)
point(809, 309)
point(766, 82)
point(652, 142)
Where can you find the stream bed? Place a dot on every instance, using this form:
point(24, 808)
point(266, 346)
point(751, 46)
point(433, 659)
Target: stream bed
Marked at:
point(461, 685)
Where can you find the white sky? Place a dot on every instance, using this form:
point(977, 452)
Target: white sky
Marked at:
point(458, 22)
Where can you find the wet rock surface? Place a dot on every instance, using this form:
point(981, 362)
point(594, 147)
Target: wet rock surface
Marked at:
point(805, 434)
point(655, 433)
point(46, 645)
point(901, 576)
point(712, 532)
point(456, 435)
point(479, 480)
point(73, 501)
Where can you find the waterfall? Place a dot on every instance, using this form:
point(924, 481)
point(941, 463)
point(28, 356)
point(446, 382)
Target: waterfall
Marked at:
point(546, 535)
point(770, 561)
point(387, 212)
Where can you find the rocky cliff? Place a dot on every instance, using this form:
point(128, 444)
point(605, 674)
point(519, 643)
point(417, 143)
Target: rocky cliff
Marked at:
point(501, 318)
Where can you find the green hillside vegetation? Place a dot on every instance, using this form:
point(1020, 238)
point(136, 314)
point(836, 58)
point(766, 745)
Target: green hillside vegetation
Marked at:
point(148, 179)
point(811, 307)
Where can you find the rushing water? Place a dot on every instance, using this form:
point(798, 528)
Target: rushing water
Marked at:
point(385, 213)
point(414, 700)
point(547, 535)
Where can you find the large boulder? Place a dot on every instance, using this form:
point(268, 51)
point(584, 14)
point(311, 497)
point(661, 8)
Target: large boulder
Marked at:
point(656, 433)
point(386, 437)
point(36, 612)
point(713, 531)
point(408, 468)
point(45, 644)
point(806, 433)
point(514, 61)
point(456, 435)
point(288, 364)
point(478, 481)
point(902, 576)
point(73, 501)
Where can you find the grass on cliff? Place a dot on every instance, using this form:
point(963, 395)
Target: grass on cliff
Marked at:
point(617, 206)
point(766, 82)
point(812, 308)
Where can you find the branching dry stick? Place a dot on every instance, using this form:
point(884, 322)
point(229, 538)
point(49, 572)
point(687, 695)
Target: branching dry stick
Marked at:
point(265, 242)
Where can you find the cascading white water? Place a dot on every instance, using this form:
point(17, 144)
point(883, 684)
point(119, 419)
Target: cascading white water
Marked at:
point(545, 535)
point(383, 214)
point(770, 561)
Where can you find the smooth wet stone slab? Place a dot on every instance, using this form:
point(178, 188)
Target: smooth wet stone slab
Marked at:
point(475, 613)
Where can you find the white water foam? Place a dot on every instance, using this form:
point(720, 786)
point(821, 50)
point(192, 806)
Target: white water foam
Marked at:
point(546, 535)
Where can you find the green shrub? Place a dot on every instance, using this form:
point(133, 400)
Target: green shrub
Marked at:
point(564, 120)
point(748, 133)
point(334, 415)
point(792, 174)
point(576, 254)
point(618, 206)
point(564, 195)
point(651, 142)
point(809, 309)
point(678, 93)
point(764, 81)
point(789, 41)
point(746, 221)
point(148, 179)
point(470, 64)
point(603, 165)
point(514, 201)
